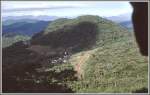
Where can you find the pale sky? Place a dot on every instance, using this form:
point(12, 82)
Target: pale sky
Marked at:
point(65, 8)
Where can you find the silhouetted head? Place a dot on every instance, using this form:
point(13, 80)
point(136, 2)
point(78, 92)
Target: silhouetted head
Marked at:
point(140, 23)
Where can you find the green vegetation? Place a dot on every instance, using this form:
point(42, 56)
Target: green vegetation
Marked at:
point(104, 58)
point(65, 23)
point(7, 41)
point(117, 67)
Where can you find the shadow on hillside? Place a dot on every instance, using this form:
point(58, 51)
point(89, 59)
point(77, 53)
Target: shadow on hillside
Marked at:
point(20, 74)
point(20, 79)
point(78, 37)
point(21, 60)
point(37, 83)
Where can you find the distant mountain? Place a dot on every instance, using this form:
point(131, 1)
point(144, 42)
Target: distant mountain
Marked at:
point(124, 20)
point(127, 24)
point(42, 17)
point(120, 18)
point(12, 21)
point(24, 27)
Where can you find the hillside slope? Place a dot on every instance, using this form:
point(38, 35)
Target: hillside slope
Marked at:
point(13, 38)
point(76, 55)
point(113, 68)
point(24, 27)
point(79, 34)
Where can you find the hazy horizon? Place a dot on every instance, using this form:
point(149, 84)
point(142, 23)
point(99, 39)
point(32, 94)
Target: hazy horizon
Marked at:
point(65, 8)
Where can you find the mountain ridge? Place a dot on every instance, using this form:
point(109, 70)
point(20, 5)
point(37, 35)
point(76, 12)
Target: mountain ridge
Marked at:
point(24, 27)
point(48, 68)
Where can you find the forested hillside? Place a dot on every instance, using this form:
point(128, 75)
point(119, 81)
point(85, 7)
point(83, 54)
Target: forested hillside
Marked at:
point(88, 54)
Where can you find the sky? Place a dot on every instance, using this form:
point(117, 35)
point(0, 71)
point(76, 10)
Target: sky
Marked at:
point(65, 8)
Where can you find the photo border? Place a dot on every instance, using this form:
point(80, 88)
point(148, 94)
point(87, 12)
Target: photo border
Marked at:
point(74, 93)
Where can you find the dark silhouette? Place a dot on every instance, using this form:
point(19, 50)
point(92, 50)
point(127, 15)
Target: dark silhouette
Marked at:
point(142, 90)
point(20, 72)
point(140, 23)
